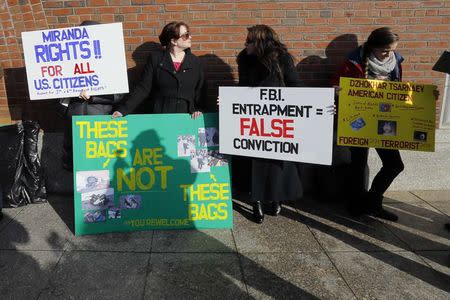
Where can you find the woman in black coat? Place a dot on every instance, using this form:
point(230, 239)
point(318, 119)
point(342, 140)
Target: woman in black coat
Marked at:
point(172, 79)
point(266, 62)
point(83, 105)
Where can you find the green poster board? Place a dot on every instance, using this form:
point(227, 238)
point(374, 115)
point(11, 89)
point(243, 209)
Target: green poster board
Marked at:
point(144, 172)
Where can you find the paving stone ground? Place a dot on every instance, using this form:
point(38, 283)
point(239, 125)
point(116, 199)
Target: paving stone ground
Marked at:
point(313, 250)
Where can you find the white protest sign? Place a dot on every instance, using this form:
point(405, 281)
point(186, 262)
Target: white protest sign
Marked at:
point(292, 124)
point(62, 62)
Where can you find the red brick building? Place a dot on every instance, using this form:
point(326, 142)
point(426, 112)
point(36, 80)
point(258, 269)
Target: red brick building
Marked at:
point(318, 33)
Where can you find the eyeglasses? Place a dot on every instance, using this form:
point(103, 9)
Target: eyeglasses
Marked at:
point(185, 36)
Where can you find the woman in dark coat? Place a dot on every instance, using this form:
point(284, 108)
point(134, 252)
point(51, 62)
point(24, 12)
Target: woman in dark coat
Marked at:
point(266, 62)
point(172, 79)
point(82, 106)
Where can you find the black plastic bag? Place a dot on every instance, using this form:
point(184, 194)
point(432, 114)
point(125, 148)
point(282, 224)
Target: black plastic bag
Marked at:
point(21, 172)
point(11, 162)
point(32, 173)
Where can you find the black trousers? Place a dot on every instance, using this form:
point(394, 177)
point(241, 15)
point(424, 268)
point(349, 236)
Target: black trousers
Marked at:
point(392, 166)
point(67, 153)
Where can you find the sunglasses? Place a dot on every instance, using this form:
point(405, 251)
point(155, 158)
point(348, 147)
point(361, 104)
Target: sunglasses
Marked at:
point(185, 35)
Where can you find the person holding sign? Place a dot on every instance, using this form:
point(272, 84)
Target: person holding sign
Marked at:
point(1, 202)
point(266, 62)
point(84, 105)
point(172, 78)
point(376, 59)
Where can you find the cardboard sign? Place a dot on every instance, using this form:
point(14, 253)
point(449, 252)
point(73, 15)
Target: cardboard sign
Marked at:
point(292, 124)
point(386, 114)
point(62, 62)
point(141, 172)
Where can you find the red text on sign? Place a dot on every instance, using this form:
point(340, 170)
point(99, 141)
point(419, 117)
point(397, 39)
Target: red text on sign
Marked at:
point(274, 128)
point(51, 70)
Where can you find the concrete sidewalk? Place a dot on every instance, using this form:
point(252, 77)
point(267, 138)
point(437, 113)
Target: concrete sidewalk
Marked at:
point(313, 250)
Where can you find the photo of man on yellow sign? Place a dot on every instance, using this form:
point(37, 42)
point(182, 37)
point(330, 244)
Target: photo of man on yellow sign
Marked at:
point(386, 114)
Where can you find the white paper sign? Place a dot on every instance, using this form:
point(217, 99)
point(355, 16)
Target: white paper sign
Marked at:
point(292, 124)
point(62, 62)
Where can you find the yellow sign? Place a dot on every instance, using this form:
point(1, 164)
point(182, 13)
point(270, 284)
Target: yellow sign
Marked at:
point(386, 114)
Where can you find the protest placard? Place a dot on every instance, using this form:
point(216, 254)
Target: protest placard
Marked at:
point(292, 124)
point(62, 62)
point(386, 114)
point(131, 176)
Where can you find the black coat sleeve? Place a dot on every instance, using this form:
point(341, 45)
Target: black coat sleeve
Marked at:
point(291, 77)
point(141, 91)
point(243, 76)
point(111, 99)
point(200, 90)
point(243, 69)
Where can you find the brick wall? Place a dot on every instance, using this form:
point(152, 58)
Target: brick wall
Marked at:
point(318, 33)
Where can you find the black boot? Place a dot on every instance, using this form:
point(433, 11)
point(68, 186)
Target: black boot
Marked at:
point(355, 207)
point(276, 208)
point(385, 214)
point(447, 226)
point(258, 214)
point(354, 210)
point(375, 208)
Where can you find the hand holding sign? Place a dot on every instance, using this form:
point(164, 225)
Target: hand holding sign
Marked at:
point(116, 114)
point(436, 94)
point(196, 114)
point(84, 95)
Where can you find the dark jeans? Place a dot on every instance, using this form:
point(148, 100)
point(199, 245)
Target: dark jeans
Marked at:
point(392, 166)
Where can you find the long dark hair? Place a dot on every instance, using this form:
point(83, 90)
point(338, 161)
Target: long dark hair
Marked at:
point(379, 38)
point(268, 47)
point(89, 23)
point(171, 31)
